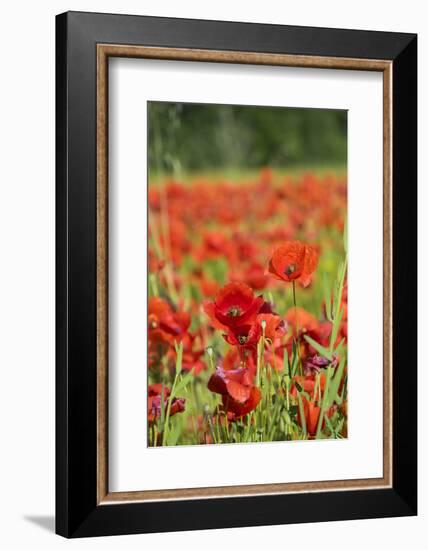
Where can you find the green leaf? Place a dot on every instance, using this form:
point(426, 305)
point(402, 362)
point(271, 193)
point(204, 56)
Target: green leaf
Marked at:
point(285, 362)
point(338, 350)
point(329, 425)
point(174, 433)
point(183, 382)
point(335, 383)
point(295, 360)
point(324, 407)
point(162, 414)
point(179, 360)
point(335, 328)
point(345, 236)
point(302, 413)
point(320, 349)
point(327, 299)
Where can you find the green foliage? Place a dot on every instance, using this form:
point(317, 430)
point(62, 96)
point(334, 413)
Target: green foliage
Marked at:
point(205, 136)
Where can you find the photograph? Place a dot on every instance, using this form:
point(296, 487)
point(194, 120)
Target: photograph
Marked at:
point(247, 274)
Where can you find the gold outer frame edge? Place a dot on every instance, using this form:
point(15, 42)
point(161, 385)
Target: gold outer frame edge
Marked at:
point(104, 51)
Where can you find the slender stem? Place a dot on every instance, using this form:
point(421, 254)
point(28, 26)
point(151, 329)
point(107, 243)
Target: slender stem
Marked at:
point(260, 355)
point(294, 296)
point(296, 339)
point(168, 412)
point(324, 401)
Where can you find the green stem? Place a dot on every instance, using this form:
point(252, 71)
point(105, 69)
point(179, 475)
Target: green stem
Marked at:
point(168, 412)
point(296, 339)
point(154, 284)
point(324, 400)
point(302, 414)
point(260, 354)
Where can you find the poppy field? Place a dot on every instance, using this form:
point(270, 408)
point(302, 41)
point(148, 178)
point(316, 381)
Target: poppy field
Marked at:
point(247, 308)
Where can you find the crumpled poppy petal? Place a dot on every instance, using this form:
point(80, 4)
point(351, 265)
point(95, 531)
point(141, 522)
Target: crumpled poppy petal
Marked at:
point(238, 391)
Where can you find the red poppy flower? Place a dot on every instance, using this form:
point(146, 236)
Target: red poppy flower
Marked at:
point(155, 264)
point(297, 317)
point(301, 323)
point(294, 261)
point(235, 358)
point(234, 305)
point(154, 402)
point(214, 245)
point(253, 274)
point(312, 413)
point(307, 383)
point(208, 287)
point(274, 327)
point(164, 324)
point(245, 336)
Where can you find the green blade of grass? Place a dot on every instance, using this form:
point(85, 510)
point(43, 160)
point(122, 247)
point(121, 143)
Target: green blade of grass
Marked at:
point(302, 413)
point(179, 359)
point(324, 400)
point(184, 381)
point(335, 383)
point(327, 299)
point(320, 349)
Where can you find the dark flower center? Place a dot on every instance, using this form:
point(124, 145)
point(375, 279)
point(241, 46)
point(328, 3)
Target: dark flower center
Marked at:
point(290, 269)
point(242, 339)
point(234, 311)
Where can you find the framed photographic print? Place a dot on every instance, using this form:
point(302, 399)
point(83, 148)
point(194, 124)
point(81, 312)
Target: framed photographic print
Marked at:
point(236, 248)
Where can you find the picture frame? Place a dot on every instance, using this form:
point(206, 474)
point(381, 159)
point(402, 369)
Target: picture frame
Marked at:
point(84, 44)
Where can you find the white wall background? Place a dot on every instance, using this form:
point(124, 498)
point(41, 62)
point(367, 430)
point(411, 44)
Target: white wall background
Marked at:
point(27, 270)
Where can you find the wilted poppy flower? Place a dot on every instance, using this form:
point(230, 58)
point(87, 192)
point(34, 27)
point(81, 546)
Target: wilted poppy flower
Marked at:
point(154, 402)
point(235, 409)
point(315, 363)
point(236, 383)
point(294, 261)
point(234, 305)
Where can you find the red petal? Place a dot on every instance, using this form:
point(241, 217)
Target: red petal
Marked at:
point(238, 294)
point(237, 391)
point(271, 271)
point(177, 406)
point(210, 310)
point(216, 384)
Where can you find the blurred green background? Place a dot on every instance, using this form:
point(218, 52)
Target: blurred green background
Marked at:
point(190, 137)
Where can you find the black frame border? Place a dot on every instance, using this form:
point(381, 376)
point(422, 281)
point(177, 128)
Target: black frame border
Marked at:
point(77, 512)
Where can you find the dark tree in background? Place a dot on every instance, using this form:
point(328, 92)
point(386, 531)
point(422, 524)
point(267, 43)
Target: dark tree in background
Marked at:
point(198, 137)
